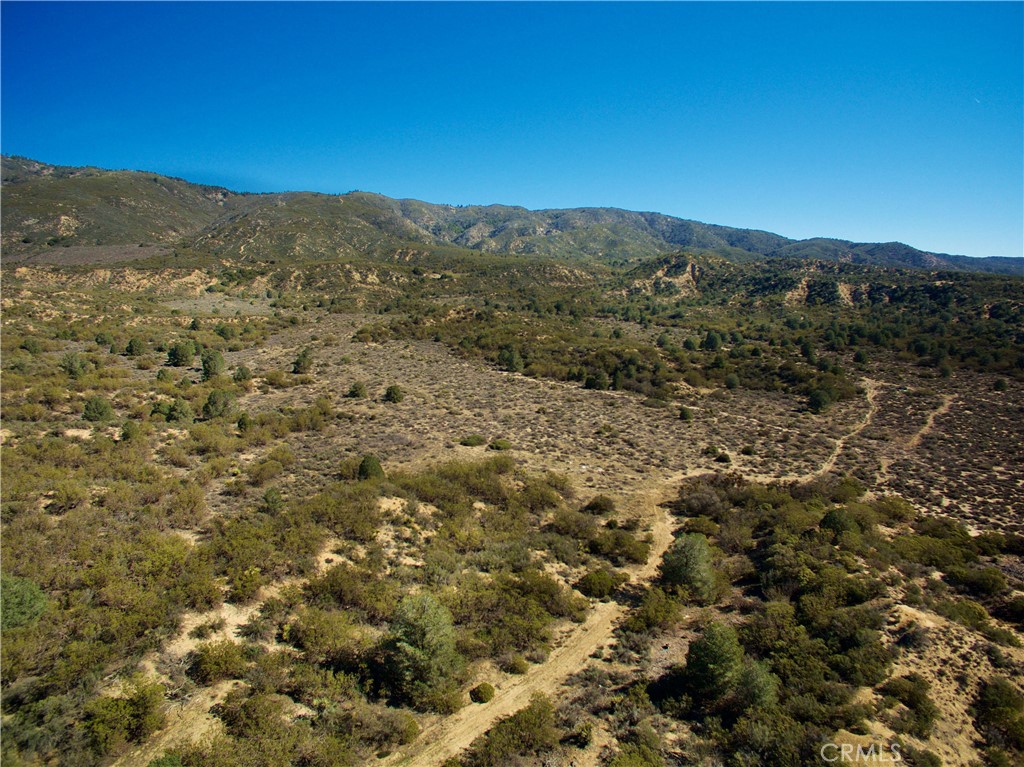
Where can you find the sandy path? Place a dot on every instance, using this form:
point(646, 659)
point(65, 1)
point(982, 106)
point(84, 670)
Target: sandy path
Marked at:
point(871, 388)
point(947, 403)
point(452, 735)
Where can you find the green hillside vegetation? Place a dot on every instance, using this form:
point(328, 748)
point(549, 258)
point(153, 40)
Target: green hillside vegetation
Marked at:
point(47, 206)
point(296, 472)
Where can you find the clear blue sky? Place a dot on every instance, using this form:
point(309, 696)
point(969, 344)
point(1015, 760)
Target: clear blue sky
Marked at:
point(870, 122)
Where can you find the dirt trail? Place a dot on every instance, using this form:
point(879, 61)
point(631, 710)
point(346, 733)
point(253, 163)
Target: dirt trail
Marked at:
point(947, 403)
point(871, 388)
point(454, 734)
point(886, 461)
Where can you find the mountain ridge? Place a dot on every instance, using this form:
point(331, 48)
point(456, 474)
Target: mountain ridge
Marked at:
point(46, 206)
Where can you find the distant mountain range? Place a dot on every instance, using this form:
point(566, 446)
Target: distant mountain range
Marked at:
point(46, 207)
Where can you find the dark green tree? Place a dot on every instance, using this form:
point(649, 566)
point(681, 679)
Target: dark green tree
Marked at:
point(510, 359)
point(218, 403)
point(181, 354)
point(213, 363)
point(713, 662)
point(688, 564)
point(423, 657)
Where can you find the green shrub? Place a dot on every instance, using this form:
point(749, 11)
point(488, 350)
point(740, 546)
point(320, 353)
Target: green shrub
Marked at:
point(602, 583)
point(262, 472)
point(500, 444)
point(473, 440)
point(74, 365)
point(999, 713)
point(688, 565)
point(212, 362)
point(514, 664)
point(482, 693)
point(304, 362)
point(370, 468)
point(214, 661)
point(112, 722)
point(713, 662)
point(978, 581)
point(357, 390)
point(394, 394)
point(218, 403)
point(600, 505)
point(819, 401)
point(423, 661)
point(167, 760)
point(180, 411)
point(619, 547)
point(657, 610)
point(181, 354)
point(21, 602)
point(912, 691)
point(528, 732)
point(97, 409)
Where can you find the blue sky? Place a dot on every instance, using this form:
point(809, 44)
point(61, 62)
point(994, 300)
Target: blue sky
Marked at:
point(865, 121)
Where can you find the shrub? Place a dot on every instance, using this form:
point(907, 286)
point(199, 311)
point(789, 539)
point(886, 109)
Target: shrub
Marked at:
point(21, 602)
point(657, 610)
point(912, 692)
point(214, 661)
point(304, 362)
point(130, 431)
point(180, 411)
point(999, 713)
point(394, 394)
point(500, 444)
point(357, 390)
point(600, 504)
point(688, 565)
point(473, 440)
point(978, 581)
point(212, 362)
point(514, 664)
point(74, 365)
point(713, 661)
point(482, 693)
point(264, 471)
point(97, 409)
point(685, 414)
point(112, 722)
point(619, 547)
point(218, 403)
point(602, 583)
point(370, 468)
point(241, 374)
point(819, 401)
point(135, 347)
point(527, 732)
point(423, 660)
point(181, 354)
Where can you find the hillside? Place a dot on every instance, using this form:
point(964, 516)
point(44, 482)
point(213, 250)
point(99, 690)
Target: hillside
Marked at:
point(46, 207)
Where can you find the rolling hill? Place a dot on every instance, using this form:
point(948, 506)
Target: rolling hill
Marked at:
point(46, 207)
